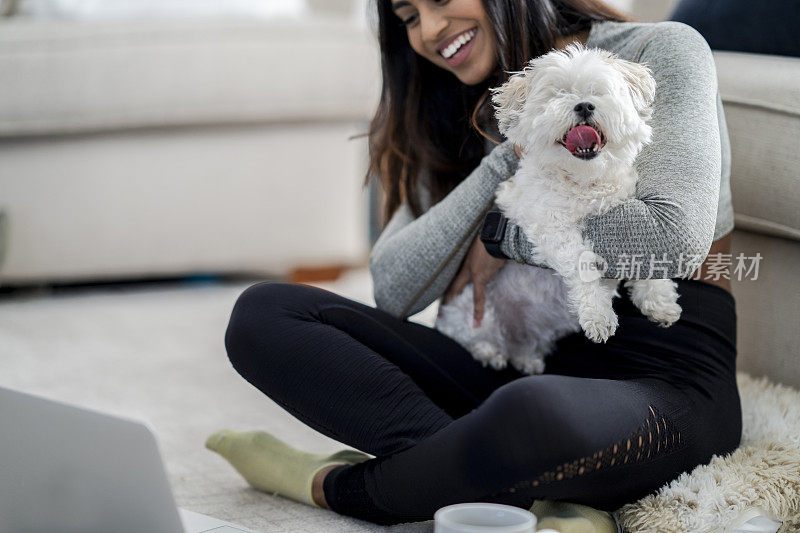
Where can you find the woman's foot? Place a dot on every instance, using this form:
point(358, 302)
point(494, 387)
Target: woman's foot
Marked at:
point(567, 517)
point(317, 492)
point(270, 465)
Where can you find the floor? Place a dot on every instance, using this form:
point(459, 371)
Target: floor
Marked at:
point(156, 352)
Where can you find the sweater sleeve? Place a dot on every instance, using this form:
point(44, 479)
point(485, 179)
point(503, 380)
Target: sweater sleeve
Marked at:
point(414, 259)
point(665, 231)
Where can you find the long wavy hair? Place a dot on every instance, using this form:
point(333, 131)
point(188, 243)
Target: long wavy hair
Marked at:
point(429, 122)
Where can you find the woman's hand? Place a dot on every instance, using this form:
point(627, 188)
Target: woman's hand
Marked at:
point(478, 267)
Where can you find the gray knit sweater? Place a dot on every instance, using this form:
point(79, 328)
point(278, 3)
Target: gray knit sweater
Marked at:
point(682, 203)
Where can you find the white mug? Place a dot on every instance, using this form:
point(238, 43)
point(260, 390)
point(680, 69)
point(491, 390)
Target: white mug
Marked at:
point(481, 517)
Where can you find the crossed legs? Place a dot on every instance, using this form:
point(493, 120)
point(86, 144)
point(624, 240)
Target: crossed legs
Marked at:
point(444, 429)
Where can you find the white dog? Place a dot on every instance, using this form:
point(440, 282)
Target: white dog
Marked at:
point(580, 117)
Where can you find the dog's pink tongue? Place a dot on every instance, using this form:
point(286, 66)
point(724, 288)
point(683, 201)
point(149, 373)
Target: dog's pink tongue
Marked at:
point(582, 137)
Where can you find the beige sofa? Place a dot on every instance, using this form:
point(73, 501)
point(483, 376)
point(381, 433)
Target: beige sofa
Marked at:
point(761, 95)
point(160, 147)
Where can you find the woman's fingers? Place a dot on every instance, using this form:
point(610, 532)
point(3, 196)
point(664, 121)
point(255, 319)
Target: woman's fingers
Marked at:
point(457, 285)
point(479, 300)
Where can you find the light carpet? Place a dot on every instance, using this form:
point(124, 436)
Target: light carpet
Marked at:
point(156, 352)
point(764, 472)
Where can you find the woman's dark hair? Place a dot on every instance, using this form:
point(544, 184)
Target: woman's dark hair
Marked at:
point(429, 121)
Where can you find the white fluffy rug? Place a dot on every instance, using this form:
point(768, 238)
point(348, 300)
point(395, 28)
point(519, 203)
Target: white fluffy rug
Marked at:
point(763, 472)
point(156, 352)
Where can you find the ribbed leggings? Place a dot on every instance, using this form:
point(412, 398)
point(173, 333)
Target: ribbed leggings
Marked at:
point(605, 424)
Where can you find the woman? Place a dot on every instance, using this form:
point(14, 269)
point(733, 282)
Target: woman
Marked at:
point(606, 423)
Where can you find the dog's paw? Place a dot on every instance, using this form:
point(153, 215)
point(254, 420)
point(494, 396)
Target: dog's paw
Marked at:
point(656, 299)
point(528, 364)
point(488, 353)
point(598, 326)
point(665, 315)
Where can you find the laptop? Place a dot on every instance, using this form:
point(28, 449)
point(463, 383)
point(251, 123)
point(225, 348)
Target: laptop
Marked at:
point(68, 469)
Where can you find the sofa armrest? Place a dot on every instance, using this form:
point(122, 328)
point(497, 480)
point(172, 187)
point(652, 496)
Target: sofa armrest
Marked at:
point(761, 97)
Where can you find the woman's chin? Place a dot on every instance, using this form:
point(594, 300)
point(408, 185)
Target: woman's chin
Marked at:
point(471, 78)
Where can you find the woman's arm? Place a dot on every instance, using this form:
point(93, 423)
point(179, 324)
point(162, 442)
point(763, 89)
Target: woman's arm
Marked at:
point(675, 208)
point(414, 260)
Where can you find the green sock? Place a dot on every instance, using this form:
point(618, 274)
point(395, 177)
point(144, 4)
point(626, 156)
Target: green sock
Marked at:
point(270, 465)
point(567, 517)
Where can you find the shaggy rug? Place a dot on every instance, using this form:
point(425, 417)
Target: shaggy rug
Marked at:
point(763, 473)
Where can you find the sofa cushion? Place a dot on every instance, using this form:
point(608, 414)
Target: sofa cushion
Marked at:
point(761, 97)
point(75, 76)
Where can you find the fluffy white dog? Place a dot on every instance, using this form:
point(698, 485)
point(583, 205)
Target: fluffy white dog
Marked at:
point(580, 117)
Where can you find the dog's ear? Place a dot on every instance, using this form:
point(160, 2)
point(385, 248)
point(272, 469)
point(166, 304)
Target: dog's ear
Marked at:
point(641, 83)
point(509, 100)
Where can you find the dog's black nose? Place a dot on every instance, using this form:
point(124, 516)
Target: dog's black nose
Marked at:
point(584, 109)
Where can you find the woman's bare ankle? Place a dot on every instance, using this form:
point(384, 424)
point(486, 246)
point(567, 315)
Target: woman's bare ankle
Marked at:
point(317, 492)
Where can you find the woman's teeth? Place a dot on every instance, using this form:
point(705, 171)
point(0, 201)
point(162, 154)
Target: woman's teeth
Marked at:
point(466, 37)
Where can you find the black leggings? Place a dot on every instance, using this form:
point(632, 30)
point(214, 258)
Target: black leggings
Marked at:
point(605, 424)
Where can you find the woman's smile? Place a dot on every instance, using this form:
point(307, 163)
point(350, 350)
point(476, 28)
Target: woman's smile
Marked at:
point(456, 49)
